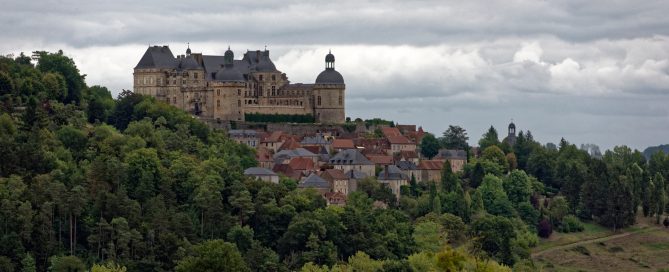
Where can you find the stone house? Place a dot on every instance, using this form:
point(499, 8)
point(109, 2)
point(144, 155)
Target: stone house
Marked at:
point(262, 174)
point(352, 159)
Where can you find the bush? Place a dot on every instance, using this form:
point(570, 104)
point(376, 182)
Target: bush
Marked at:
point(571, 224)
point(544, 229)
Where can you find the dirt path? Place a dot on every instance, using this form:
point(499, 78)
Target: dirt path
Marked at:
point(594, 240)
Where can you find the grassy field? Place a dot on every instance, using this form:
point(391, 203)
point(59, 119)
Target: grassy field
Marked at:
point(642, 247)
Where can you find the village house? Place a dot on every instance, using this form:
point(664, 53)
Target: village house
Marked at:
point(315, 182)
point(430, 170)
point(264, 158)
point(263, 174)
point(352, 159)
point(273, 141)
point(457, 158)
point(409, 168)
point(342, 144)
point(284, 156)
point(338, 180)
point(394, 178)
point(335, 198)
point(245, 136)
point(400, 143)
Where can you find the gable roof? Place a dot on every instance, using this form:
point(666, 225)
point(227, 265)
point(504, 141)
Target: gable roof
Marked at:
point(381, 159)
point(335, 173)
point(408, 154)
point(350, 157)
point(290, 144)
point(390, 131)
point(449, 154)
point(431, 164)
point(301, 163)
point(258, 171)
point(406, 165)
point(398, 139)
point(355, 174)
point(314, 181)
point(315, 140)
point(274, 137)
point(392, 172)
point(342, 144)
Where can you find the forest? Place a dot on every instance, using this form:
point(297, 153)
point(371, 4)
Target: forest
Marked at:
point(89, 182)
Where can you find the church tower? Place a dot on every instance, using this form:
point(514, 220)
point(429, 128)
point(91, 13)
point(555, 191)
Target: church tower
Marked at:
point(328, 95)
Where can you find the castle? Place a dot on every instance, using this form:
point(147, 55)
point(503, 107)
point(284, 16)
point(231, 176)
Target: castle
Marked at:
point(223, 88)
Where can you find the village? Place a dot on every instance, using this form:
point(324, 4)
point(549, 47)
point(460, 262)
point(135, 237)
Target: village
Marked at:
point(333, 162)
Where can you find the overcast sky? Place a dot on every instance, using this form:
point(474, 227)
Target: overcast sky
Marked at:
point(589, 71)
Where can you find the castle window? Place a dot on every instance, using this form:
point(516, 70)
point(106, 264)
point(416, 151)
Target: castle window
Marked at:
point(239, 91)
point(174, 82)
point(273, 77)
point(239, 103)
point(218, 92)
point(340, 100)
point(260, 77)
point(273, 89)
point(195, 75)
point(319, 100)
point(218, 103)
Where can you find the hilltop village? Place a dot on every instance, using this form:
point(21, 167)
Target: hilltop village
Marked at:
point(332, 162)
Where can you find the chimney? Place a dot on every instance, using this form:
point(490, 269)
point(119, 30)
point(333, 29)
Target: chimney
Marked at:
point(386, 171)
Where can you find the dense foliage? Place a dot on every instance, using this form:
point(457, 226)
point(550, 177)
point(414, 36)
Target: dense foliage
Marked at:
point(132, 184)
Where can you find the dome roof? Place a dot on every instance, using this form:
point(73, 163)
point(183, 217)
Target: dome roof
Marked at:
point(329, 57)
point(229, 56)
point(229, 74)
point(188, 63)
point(188, 51)
point(512, 125)
point(329, 76)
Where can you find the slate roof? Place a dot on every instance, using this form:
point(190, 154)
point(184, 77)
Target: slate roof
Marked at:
point(406, 165)
point(314, 181)
point(449, 154)
point(157, 57)
point(394, 173)
point(350, 157)
point(355, 174)
point(329, 76)
point(258, 171)
point(315, 140)
point(187, 63)
point(242, 133)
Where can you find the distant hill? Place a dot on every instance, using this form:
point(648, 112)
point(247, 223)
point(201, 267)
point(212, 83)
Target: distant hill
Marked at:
point(649, 151)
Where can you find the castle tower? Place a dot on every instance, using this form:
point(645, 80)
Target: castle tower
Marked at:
point(511, 137)
point(328, 95)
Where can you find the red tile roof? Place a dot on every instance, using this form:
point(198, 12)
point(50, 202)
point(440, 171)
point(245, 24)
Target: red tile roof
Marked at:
point(408, 154)
point(381, 159)
point(274, 137)
point(390, 131)
point(431, 164)
point(301, 164)
point(290, 144)
point(398, 139)
point(342, 144)
point(335, 173)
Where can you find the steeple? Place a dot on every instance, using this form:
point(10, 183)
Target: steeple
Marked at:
point(228, 57)
point(188, 50)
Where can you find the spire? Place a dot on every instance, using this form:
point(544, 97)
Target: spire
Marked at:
point(188, 49)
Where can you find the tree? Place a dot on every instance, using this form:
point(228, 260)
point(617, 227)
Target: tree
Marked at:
point(517, 186)
point(28, 263)
point(659, 196)
point(495, 155)
point(6, 84)
point(59, 63)
point(449, 182)
point(557, 209)
point(429, 146)
point(455, 137)
point(489, 138)
point(213, 256)
point(66, 264)
point(544, 229)
point(243, 204)
point(429, 236)
point(242, 237)
point(494, 234)
point(55, 86)
point(363, 263)
point(108, 267)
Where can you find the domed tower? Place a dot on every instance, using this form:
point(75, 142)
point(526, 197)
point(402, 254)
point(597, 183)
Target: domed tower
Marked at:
point(329, 94)
point(511, 137)
point(228, 57)
point(227, 84)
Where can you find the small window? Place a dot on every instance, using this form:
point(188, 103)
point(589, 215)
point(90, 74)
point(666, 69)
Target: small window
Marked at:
point(239, 91)
point(340, 100)
point(319, 100)
point(218, 103)
point(260, 77)
point(195, 75)
point(273, 77)
point(239, 103)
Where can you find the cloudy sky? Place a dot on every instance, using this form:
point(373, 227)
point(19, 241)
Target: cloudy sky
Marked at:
point(589, 71)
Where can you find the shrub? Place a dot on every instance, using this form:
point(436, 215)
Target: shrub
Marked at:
point(571, 224)
point(582, 250)
point(544, 229)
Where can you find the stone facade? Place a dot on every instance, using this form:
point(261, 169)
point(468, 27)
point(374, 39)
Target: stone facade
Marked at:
point(223, 88)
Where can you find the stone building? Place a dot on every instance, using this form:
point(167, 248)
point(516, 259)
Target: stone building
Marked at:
point(224, 88)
